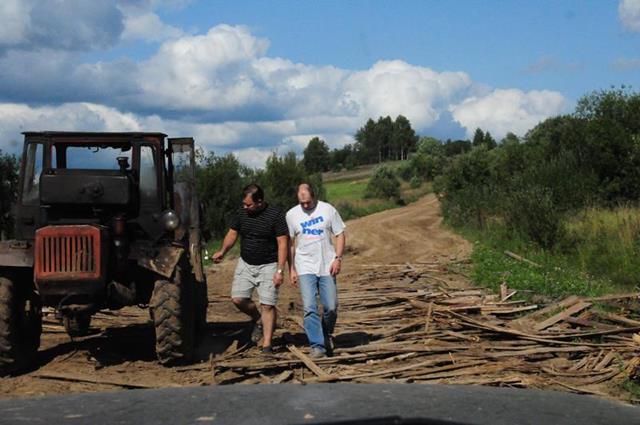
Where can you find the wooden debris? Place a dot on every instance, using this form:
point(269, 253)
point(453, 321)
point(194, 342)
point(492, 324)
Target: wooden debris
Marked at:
point(402, 323)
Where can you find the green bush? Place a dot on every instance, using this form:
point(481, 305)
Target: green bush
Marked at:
point(347, 210)
point(219, 181)
point(416, 182)
point(383, 184)
point(532, 212)
point(405, 171)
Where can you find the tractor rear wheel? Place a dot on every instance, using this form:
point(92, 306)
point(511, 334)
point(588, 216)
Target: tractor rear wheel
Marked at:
point(20, 327)
point(173, 309)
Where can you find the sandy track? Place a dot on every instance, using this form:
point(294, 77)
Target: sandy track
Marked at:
point(121, 348)
point(410, 234)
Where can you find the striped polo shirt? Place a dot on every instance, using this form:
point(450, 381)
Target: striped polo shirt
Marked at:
point(258, 233)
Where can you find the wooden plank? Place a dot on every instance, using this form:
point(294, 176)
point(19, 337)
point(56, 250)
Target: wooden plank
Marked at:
point(428, 321)
point(92, 380)
point(605, 361)
point(615, 297)
point(576, 308)
point(503, 310)
point(569, 301)
point(307, 361)
point(282, 377)
point(618, 318)
point(521, 258)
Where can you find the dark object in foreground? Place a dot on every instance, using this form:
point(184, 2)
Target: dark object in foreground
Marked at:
point(103, 220)
point(327, 404)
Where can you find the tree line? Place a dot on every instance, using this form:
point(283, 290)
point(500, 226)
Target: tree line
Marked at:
point(8, 190)
point(377, 141)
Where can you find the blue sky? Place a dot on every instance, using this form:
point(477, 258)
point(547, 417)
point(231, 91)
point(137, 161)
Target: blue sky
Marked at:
point(253, 77)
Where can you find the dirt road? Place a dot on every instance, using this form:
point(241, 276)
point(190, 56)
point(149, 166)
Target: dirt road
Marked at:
point(121, 349)
point(389, 254)
point(411, 234)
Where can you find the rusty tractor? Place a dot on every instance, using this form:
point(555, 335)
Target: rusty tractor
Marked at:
point(103, 221)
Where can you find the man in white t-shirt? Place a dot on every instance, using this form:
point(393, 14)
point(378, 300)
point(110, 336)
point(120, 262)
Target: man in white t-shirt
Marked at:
point(315, 263)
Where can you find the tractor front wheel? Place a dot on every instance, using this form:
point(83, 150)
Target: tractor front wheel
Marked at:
point(173, 309)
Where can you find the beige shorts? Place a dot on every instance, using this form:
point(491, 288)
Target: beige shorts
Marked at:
point(248, 277)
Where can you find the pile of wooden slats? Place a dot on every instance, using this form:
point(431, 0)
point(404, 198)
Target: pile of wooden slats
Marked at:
point(406, 325)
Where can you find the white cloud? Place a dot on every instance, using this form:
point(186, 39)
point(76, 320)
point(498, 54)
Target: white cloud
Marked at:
point(629, 13)
point(395, 87)
point(203, 71)
point(148, 26)
point(222, 88)
point(503, 111)
point(253, 157)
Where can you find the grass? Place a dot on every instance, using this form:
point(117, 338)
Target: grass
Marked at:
point(606, 242)
point(559, 274)
point(633, 390)
point(358, 173)
point(348, 197)
point(597, 254)
point(346, 190)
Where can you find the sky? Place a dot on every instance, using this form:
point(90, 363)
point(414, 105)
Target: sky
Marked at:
point(254, 77)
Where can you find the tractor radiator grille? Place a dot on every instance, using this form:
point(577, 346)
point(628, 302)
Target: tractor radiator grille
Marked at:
point(68, 252)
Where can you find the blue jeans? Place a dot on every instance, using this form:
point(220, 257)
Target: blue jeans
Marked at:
point(319, 328)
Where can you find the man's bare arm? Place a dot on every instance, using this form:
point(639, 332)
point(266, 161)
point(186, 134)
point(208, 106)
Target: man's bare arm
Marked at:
point(336, 264)
point(341, 241)
point(293, 274)
point(227, 244)
point(283, 253)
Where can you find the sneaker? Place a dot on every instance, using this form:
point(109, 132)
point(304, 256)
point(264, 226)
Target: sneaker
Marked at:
point(317, 353)
point(267, 350)
point(256, 333)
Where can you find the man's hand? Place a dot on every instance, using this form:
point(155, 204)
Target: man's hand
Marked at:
point(334, 270)
point(218, 256)
point(293, 276)
point(278, 278)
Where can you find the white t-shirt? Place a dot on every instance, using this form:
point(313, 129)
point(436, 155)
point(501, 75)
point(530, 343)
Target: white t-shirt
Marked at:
point(312, 230)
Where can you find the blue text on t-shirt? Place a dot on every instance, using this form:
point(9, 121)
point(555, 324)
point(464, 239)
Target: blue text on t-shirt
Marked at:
point(306, 226)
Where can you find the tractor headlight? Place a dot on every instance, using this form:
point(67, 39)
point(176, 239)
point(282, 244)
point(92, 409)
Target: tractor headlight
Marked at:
point(170, 220)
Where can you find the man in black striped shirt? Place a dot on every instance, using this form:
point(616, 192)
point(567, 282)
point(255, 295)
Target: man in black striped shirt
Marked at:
point(264, 244)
